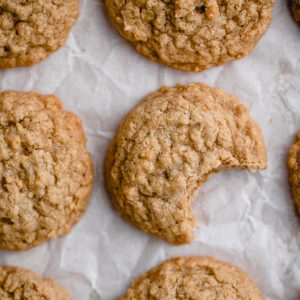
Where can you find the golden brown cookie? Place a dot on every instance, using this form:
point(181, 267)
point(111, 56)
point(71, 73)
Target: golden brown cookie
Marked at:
point(295, 8)
point(194, 278)
point(168, 146)
point(46, 172)
point(31, 30)
point(191, 35)
point(21, 284)
point(294, 169)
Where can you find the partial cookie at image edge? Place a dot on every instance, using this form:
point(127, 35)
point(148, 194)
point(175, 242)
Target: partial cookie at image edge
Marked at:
point(29, 33)
point(295, 9)
point(294, 170)
point(188, 37)
point(193, 278)
point(19, 283)
point(46, 170)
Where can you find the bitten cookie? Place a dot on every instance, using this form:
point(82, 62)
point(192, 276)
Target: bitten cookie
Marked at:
point(191, 35)
point(31, 30)
point(168, 146)
point(21, 284)
point(194, 278)
point(46, 172)
point(294, 169)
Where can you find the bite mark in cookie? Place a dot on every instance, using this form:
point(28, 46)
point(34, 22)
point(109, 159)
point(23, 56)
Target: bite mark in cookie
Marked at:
point(168, 146)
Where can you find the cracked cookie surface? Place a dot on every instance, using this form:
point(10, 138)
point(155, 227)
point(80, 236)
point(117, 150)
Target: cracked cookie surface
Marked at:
point(30, 30)
point(294, 170)
point(21, 284)
point(168, 146)
point(191, 35)
point(46, 173)
point(193, 278)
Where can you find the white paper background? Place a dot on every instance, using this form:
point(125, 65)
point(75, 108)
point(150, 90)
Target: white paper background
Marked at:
point(246, 219)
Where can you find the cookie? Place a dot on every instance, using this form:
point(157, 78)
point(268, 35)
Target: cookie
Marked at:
point(191, 35)
point(46, 172)
point(295, 8)
point(194, 278)
point(31, 30)
point(294, 170)
point(17, 284)
point(168, 146)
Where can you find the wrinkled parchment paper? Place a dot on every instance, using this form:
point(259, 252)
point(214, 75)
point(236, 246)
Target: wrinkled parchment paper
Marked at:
point(244, 218)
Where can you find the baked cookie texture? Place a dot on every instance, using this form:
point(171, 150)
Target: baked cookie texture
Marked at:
point(168, 146)
point(194, 278)
point(46, 172)
point(191, 35)
point(31, 30)
point(294, 170)
point(21, 284)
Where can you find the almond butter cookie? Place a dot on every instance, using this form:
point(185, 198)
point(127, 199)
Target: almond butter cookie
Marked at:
point(194, 278)
point(191, 35)
point(46, 172)
point(168, 146)
point(294, 168)
point(31, 30)
point(21, 284)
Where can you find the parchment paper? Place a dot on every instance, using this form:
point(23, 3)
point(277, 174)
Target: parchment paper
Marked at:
point(246, 219)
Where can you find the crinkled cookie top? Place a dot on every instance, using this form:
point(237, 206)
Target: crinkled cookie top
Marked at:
point(191, 35)
point(20, 284)
point(168, 146)
point(46, 172)
point(194, 278)
point(32, 29)
point(294, 168)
